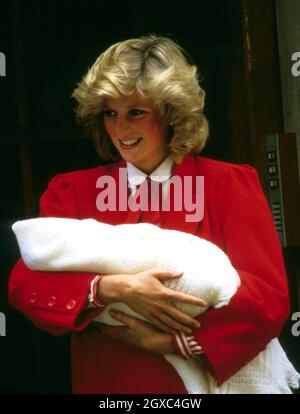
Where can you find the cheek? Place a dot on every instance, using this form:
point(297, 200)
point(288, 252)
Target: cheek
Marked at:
point(159, 134)
point(161, 127)
point(108, 125)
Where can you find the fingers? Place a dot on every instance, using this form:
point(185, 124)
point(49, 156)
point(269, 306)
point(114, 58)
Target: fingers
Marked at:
point(183, 319)
point(122, 317)
point(162, 326)
point(184, 298)
point(179, 296)
point(165, 274)
point(176, 325)
point(132, 322)
point(165, 323)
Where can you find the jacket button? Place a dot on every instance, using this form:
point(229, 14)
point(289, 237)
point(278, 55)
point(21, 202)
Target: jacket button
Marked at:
point(33, 297)
point(52, 301)
point(71, 304)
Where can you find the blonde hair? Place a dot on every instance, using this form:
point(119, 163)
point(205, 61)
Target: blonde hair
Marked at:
point(157, 68)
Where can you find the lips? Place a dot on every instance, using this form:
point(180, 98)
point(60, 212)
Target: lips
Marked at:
point(130, 143)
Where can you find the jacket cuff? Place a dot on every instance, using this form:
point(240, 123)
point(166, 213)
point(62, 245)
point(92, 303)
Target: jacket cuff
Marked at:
point(187, 346)
point(93, 299)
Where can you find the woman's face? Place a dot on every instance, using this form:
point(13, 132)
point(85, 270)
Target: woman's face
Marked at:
point(137, 130)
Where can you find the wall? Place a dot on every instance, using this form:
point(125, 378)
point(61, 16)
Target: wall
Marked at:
point(288, 18)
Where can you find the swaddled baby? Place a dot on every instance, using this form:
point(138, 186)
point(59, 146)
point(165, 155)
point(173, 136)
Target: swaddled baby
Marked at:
point(57, 244)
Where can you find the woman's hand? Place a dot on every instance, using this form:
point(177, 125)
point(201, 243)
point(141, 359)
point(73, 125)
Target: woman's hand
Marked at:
point(137, 333)
point(145, 293)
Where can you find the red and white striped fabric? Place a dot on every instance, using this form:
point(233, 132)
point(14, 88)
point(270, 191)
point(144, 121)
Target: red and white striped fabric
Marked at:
point(187, 346)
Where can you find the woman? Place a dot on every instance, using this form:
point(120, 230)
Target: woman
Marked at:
point(143, 106)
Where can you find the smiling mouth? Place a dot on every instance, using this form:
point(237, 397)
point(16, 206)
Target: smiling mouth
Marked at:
point(130, 143)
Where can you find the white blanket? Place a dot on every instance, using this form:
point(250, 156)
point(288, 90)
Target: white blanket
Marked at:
point(57, 244)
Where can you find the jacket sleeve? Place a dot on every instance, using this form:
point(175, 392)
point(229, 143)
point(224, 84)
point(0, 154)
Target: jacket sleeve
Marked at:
point(53, 301)
point(233, 335)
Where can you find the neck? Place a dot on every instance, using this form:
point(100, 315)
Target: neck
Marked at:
point(149, 170)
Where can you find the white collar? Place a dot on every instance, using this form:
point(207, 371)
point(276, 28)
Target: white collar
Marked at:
point(162, 173)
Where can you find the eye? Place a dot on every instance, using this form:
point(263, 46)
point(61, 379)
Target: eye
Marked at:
point(136, 112)
point(109, 112)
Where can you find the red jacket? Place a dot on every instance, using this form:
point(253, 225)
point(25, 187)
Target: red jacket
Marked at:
point(236, 218)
